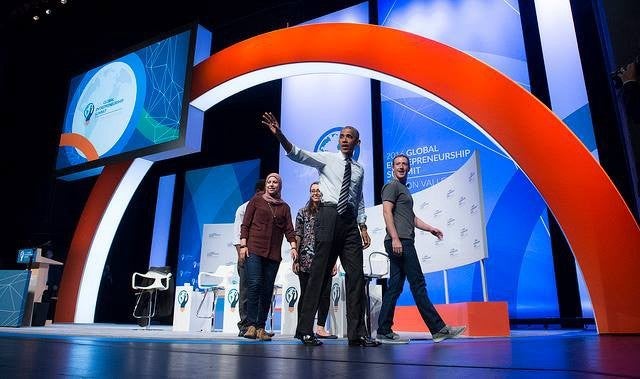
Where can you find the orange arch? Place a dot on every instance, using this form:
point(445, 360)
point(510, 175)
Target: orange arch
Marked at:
point(600, 228)
point(81, 143)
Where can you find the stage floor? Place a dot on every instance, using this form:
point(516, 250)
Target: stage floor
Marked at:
point(108, 350)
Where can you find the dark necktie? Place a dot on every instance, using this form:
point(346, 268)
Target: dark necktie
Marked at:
point(344, 190)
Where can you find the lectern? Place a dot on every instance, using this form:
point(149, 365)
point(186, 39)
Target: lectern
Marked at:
point(37, 283)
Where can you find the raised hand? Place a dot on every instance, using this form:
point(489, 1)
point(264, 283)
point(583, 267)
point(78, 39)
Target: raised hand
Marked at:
point(271, 122)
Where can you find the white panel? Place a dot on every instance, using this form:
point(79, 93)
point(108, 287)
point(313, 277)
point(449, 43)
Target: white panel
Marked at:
point(101, 244)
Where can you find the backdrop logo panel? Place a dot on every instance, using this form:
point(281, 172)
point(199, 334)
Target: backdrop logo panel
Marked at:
point(330, 141)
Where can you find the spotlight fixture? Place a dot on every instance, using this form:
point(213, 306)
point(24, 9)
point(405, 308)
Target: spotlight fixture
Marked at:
point(35, 17)
point(63, 2)
point(47, 11)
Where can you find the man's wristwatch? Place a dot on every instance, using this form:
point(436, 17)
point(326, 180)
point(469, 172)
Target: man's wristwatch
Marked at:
point(243, 246)
point(363, 226)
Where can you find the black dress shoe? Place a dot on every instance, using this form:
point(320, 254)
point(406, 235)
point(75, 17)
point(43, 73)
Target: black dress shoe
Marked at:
point(309, 340)
point(364, 342)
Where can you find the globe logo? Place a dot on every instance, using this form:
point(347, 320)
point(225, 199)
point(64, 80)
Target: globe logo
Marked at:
point(105, 106)
point(88, 112)
point(329, 141)
point(183, 298)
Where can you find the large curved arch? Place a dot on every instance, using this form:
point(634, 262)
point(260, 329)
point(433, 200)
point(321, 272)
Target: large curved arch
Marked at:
point(600, 228)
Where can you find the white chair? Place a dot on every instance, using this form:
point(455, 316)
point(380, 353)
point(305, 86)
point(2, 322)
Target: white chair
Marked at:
point(277, 290)
point(209, 283)
point(149, 283)
point(377, 273)
point(212, 282)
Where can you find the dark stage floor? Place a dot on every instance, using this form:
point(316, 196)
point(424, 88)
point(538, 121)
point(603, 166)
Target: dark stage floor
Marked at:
point(125, 351)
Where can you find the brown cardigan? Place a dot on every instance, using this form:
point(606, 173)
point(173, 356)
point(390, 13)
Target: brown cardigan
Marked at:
point(264, 225)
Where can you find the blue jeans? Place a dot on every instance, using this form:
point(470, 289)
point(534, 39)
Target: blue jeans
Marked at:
point(260, 274)
point(401, 267)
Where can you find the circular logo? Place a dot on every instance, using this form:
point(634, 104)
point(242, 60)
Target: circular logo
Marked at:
point(183, 298)
point(233, 297)
point(106, 105)
point(335, 294)
point(329, 141)
point(291, 296)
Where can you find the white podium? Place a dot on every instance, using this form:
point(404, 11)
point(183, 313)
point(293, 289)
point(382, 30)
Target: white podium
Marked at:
point(290, 303)
point(231, 315)
point(375, 303)
point(186, 305)
point(337, 320)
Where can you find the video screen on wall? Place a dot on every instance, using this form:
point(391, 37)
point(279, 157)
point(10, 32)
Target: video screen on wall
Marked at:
point(131, 106)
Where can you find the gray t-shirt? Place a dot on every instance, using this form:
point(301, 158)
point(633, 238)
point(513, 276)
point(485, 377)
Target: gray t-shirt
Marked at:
point(403, 216)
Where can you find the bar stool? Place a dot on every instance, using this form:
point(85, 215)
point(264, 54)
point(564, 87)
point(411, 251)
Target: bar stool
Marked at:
point(149, 283)
point(209, 285)
point(368, 278)
point(277, 290)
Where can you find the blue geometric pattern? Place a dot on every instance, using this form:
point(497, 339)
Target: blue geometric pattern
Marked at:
point(14, 286)
point(165, 63)
point(211, 196)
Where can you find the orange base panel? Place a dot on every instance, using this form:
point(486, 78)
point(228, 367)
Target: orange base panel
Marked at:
point(483, 319)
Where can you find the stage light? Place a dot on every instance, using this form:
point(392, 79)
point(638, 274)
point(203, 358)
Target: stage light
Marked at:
point(35, 17)
point(47, 11)
point(63, 2)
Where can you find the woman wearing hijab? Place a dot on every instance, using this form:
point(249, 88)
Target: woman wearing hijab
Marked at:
point(266, 220)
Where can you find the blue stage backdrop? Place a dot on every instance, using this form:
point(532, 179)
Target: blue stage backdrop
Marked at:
point(211, 196)
point(438, 141)
point(314, 109)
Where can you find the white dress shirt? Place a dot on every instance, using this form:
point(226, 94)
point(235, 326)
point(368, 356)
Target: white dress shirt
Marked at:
point(237, 222)
point(330, 168)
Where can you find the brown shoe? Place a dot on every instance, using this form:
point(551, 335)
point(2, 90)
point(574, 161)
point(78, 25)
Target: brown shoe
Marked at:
point(251, 333)
point(270, 334)
point(262, 335)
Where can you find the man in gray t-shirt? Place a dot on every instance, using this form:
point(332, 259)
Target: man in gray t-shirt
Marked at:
point(399, 243)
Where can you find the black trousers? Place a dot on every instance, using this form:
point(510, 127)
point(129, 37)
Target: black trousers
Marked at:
point(325, 296)
point(242, 295)
point(336, 236)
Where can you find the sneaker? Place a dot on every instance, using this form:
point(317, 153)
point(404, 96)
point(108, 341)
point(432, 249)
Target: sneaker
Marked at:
point(391, 337)
point(251, 333)
point(448, 332)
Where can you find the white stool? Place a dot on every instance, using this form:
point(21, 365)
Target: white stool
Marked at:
point(368, 277)
point(277, 290)
point(208, 285)
point(149, 283)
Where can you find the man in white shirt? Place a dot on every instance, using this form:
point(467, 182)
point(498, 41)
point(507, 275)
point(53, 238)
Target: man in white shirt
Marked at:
point(340, 230)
